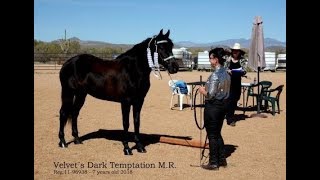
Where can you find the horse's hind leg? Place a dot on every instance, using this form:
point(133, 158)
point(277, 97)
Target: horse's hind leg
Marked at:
point(136, 116)
point(65, 111)
point(77, 105)
point(125, 107)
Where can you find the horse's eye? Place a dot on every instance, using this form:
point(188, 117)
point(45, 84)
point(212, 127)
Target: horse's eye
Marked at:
point(161, 47)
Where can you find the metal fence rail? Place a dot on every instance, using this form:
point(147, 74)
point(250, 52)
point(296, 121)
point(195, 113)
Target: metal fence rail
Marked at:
point(54, 61)
point(47, 66)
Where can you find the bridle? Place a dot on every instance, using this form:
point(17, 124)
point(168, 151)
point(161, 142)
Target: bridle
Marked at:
point(153, 62)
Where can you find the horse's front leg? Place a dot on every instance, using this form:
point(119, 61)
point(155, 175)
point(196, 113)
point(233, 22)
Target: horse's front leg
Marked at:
point(136, 116)
point(125, 107)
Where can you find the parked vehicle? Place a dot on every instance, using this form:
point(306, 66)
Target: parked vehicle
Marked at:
point(184, 58)
point(270, 58)
point(281, 61)
point(203, 61)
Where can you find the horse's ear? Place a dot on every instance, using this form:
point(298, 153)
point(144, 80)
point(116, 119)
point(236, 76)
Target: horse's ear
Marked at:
point(167, 34)
point(160, 33)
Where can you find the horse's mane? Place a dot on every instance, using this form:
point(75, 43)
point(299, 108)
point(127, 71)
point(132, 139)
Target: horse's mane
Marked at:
point(134, 49)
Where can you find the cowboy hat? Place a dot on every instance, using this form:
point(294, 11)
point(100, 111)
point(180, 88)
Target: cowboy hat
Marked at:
point(237, 46)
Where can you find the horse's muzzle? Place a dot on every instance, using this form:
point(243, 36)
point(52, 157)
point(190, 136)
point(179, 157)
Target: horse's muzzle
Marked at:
point(173, 66)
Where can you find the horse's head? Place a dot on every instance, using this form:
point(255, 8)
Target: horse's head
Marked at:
point(164, 45)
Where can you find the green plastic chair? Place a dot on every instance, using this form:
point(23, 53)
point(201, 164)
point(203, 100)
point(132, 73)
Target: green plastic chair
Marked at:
point(273, 100)
point(264, 85)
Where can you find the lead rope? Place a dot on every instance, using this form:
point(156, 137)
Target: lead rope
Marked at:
point(201, 126)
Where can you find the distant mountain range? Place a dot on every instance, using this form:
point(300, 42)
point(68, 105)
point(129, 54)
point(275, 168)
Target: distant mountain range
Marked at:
point(245, 43)
point(97, 44)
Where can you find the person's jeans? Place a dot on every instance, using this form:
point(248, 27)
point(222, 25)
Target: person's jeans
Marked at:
point(214, 114)
point(232, 105)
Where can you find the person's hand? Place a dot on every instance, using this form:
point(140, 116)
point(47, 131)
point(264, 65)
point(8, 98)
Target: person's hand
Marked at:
point(229, 71)
point(202, 90)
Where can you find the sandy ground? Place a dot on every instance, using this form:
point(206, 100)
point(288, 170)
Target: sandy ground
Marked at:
point(256, 146)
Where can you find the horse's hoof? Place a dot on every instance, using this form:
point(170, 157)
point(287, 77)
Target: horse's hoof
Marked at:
point(141, 150)
point(77, 141)
point(127, 152)
point(63, 144)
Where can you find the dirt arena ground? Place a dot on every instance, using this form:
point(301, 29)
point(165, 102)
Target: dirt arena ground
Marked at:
point(256, 146)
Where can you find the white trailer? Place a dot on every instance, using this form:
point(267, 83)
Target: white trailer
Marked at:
point(270, 58)
point(281, 61)
point(203, 61)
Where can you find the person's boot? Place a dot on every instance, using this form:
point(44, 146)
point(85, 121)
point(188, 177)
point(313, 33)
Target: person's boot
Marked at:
point(213, 156)
point(231, 121)
point(222, 154)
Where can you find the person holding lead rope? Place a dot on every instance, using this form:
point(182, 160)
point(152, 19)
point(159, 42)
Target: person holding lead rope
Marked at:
point(216, 92)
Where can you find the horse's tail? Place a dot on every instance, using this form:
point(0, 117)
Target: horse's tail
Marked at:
point(67, 94)
point(67, 98)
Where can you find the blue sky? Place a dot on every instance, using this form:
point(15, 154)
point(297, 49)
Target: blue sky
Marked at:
point(132, 21)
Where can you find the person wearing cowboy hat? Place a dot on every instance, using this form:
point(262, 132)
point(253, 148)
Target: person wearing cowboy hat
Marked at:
point(236, 67)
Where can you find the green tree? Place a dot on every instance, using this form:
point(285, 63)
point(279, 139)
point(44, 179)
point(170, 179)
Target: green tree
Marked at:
point(74, 47)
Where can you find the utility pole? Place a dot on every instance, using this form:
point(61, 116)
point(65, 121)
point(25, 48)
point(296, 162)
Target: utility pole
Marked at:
point(64, 45)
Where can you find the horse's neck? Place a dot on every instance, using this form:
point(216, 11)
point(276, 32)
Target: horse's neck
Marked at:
point(138, 49)
point(138, 53)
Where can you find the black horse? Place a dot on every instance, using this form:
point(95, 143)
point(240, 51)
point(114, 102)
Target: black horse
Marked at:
point(125, 79)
